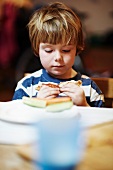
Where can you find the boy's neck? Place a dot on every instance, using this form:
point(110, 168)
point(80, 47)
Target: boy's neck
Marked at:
point(72, 73)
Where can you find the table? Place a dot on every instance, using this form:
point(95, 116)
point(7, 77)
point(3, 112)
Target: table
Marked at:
point(98, 154)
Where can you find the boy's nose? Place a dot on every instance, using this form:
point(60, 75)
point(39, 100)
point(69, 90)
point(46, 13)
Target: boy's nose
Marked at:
point(58, 56)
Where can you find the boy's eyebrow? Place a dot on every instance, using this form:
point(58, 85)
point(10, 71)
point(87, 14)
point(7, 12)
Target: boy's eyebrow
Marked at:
point(50, 45)
point(46, 45)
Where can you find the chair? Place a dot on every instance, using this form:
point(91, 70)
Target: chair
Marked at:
point(106, 85)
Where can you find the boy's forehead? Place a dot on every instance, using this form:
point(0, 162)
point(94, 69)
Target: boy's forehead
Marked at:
point(58, 45)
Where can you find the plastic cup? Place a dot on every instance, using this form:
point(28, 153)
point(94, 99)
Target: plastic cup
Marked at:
point(60, 144)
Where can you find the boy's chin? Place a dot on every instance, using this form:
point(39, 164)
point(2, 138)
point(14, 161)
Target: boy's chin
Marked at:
point(55, 73)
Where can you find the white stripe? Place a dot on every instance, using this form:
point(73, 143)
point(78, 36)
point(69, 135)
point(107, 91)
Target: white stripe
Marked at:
point(95, 96)
point(86, 89)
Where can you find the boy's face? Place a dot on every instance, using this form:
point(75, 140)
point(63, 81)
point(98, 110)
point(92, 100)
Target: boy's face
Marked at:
point(57, 59)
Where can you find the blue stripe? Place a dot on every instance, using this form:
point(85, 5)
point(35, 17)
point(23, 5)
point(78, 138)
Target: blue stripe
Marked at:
point(86, 82)
point(19, 94)
point(30, 81)
point(94, 86)
point(98, 103)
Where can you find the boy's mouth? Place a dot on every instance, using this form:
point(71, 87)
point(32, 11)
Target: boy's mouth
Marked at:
point(59, 66)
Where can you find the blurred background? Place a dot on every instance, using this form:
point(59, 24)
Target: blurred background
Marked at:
point(17, 58)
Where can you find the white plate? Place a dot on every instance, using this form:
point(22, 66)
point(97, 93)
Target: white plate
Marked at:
point(17, 112)
point(17, 121)
point(14, 133)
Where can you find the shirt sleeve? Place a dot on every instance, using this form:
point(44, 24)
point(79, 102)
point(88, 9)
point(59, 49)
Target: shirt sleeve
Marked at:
point(23, 89)
point(96, 96)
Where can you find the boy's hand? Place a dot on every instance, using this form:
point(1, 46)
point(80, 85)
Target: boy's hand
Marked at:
point(48, 92)
point(75, 92)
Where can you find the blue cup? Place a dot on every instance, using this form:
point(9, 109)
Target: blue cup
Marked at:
point(61, 144)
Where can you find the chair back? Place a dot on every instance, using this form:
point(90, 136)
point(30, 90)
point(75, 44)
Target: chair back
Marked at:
point(106, 86)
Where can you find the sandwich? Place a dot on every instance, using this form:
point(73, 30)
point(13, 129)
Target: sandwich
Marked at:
point(51, 105)
point(55, 85)
point(56, 104)
point(78, 83)
point(50, 84)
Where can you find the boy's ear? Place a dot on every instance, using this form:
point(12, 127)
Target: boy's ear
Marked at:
point(76, 52)
point(36, 53)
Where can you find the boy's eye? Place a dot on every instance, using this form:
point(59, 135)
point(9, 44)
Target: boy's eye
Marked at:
point(48, 51)
point(66, 51)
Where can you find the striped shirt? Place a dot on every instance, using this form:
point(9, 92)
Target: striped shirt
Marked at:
point(27, 87)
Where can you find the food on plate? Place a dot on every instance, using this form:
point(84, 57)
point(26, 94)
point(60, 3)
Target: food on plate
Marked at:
point(59, 104)
point(78, 82)
point(51, 105)
point(32, 101)
point(57, 107)
point(50, 84)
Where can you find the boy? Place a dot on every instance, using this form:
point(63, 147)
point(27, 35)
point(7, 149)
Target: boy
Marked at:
point(56, 36)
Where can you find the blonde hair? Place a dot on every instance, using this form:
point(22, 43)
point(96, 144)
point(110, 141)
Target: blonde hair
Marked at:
point(55, 24)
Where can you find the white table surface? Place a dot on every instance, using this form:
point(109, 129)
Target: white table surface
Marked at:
point(17, 119)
